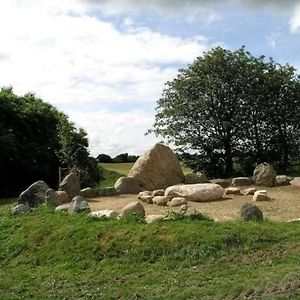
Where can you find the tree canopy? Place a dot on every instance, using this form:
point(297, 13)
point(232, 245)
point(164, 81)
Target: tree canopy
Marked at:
point(229, 108)
point(35, 140)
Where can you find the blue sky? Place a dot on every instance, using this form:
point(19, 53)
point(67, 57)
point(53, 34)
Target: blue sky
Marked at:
point(105, 62)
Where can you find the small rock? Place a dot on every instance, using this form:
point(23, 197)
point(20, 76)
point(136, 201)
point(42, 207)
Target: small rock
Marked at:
point(241, 181)
point(232, 191)
point(145, 196)
point(105, 213)
point(283, 180)
point(177, 201)
point(63, 208)
point(153, 218)
point(62, 197)
point(250, 212)
point(160, 200)
point(192, 213)
point(191, 178)
point(107, 192)
point(261, 196)
point(89, 192)
point(249, 191)
point(183, 208)
point(222, 182)
point(79, 204)
point(160, 192)
point(127, 185)
point(133, 208)
point(20, 209)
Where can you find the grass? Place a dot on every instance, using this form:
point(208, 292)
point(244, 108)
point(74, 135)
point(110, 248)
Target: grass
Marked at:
point(47, 255)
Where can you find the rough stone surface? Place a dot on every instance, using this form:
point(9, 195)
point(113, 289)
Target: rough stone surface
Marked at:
point(196, 192)
point(158, 193)
point(295, 182)
point(63, 207)
point(232, 191)
point(52, 199)
point(283, 180)
point(192, 213)
point(250, 212)
point(79, 204)
point(157, 168)
point(261, 196)
point(222, 182)
point(265, 175)
point(108, 191)
point(105, 213)
point(241, 181)
point(145, 196)
point(192, 178)
point(160, 200)
point(62, 196)
point(20, 209)
point(249, 191)
point(89, 192)
point(154, 218)
point(35, 194)
point(133, 208)
point(71, 185)
point(127, 185)
point(177, 201)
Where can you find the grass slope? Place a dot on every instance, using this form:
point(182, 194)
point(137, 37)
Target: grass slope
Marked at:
point(46, 255)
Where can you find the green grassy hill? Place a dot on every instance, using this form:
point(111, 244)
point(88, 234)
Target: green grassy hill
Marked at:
point(47, 255)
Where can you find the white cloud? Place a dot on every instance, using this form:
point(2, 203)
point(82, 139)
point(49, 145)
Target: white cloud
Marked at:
point(295, 20)
point(68, 56)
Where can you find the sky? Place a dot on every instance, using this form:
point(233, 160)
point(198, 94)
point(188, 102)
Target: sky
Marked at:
point(105, 62)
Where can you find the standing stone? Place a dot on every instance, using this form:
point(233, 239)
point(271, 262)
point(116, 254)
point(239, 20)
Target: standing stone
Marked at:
point(192, 178)
point(196, 192)
point(157, 168)
point(133, 208)
point(52, 199)
point(250, 212)
point(241, 181)
point(79, 204)
point(71, 185)
point(265, 175)
point(35, 194)
point(127, 185)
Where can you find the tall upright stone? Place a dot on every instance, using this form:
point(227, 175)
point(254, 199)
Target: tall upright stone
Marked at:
point(71, 185)
point(265, 175)
point(158, 168)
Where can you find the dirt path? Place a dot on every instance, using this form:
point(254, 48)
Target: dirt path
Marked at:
point(284, 206)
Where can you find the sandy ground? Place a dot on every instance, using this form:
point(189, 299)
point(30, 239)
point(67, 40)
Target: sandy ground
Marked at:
point(284, 206)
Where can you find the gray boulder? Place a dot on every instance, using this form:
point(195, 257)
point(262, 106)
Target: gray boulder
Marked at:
point(133, 208)
point(250, 212)
point(241, 181)
point(191, 178)
point(265, 175)
point(52, 198)
point(71, 185)
point(20, 209)
point(127, 185)
point(79, 204)
point(35, 194)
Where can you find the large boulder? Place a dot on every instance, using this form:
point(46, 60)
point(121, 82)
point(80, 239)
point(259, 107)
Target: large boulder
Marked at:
point(192, 178)
point(196, 192)
point(241, 181)
point(265, 175)
point(127, 185)
point(133, 208)
point(79, 204)
point(250, 212)
point(71, 185)
point(158, 168)
point(35, 194)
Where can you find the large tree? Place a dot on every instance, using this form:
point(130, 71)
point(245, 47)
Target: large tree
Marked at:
point(231, 107)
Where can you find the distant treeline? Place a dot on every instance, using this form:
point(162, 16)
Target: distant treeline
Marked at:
point(121, 158)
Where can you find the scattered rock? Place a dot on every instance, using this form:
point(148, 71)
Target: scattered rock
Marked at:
point(160, 200)
point(35, 194)
point(89, 192)
point(133, 208)
point(157, 168)
point(241, 181)
point(62, 197)
point(192, 213)
point(283, 180)
point(261, 196)
point(232, 191)
point(295, 181)
point(146, 196)
point(63, 208)
point(249, 191)
point(105, 213)
point(20, 209)
point(265, 175)
point(183, 208)
point(177, 201)
point(154, 218)
point(250, 212)
point(196, 192)
point(158, 193)
point(71, 185)
point(107, 192)
point(51, 198)
point(222, 182)
point(79, 204)
point(192, 178)
point(127, 185)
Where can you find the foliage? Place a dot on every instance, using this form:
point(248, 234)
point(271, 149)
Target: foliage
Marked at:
point(231, 107)
point(50, 255)
point(104, 158)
